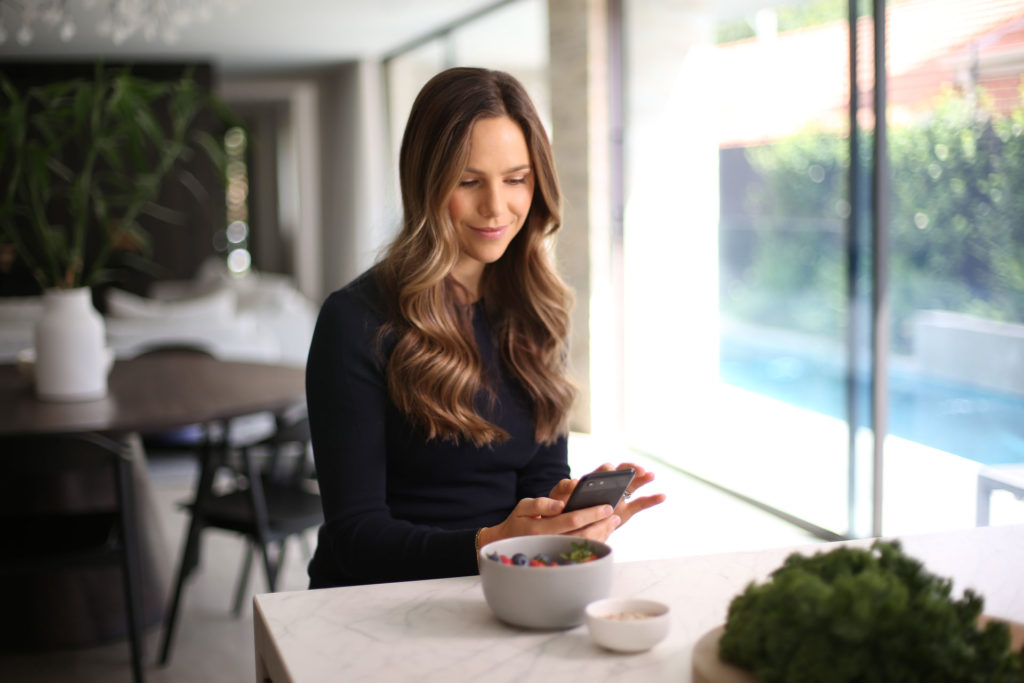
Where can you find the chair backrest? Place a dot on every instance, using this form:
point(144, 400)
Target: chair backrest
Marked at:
point(67, 475)
point(290, 451)
point(156, 349)
point(62, 500)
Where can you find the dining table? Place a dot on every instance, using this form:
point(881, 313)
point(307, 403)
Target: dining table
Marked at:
point(442, 629)
point(153, 393)
point(149, 394)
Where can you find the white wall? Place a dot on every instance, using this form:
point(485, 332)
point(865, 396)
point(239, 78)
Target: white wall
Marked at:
point(357, 216)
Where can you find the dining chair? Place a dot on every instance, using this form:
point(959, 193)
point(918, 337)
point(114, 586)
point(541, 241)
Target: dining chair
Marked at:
point(68, 507)
point(268, 497)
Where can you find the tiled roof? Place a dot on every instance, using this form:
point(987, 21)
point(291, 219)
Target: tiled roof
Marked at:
point(769, 88)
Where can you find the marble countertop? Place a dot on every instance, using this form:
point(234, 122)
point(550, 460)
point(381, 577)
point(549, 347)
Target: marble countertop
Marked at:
point(442, 630)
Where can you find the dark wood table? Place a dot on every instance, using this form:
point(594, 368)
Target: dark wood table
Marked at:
point(152, 394)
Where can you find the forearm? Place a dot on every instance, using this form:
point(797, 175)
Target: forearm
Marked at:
point(382, 550)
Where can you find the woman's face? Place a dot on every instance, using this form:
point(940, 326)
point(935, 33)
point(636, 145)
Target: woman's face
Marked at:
point(492, 199)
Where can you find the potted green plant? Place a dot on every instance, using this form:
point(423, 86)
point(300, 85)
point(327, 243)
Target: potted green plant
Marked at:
point(81, 161)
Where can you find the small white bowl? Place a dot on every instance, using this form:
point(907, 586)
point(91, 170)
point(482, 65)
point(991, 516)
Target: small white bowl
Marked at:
point(628, 624)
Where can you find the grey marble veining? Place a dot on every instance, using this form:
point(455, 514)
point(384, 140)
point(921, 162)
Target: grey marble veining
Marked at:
point(442, 630)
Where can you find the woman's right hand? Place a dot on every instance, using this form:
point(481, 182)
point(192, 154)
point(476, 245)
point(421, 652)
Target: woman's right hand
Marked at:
point(532, 516)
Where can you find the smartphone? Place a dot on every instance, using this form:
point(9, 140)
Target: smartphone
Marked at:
point(599, 488)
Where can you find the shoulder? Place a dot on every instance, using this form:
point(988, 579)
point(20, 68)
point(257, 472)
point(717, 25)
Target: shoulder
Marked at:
point(359, 304)
point(352, 315)
point(346, 356)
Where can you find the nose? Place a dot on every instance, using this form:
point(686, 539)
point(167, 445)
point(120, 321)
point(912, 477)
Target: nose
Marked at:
point(490, 201)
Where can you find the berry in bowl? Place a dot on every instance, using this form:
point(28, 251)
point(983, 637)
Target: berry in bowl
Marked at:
point(544, 582)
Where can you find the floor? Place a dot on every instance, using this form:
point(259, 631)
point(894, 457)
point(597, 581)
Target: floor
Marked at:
point(213, 645)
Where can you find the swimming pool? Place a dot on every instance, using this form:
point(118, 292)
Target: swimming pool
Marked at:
point(984, 426)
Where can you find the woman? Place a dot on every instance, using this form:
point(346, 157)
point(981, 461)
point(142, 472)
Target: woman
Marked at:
point(436, 384)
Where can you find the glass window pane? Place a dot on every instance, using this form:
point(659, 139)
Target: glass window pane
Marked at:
point(736, 147)
point(513, 38)
point(956, 277)
point(406, 74)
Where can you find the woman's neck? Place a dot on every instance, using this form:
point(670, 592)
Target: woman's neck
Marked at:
point(468, 276)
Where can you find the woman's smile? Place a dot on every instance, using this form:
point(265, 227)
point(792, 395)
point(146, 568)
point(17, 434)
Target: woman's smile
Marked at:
point(491, 233)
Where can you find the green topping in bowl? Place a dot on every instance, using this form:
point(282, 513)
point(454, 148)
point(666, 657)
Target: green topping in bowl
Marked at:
point(581, 552)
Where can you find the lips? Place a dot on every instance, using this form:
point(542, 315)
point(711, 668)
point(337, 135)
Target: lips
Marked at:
point(490, 233)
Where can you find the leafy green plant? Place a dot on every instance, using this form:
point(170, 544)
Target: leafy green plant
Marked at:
point(956, 239)
point(82, 160)
point(854, 614)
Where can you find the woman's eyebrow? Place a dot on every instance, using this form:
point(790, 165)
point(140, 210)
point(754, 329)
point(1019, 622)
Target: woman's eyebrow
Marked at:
point(515, 169)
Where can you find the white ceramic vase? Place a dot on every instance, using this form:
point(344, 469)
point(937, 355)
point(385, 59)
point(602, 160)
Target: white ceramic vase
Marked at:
point(72, 361)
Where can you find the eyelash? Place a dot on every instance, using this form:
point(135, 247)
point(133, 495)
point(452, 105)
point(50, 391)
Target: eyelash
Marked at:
point(511, 181)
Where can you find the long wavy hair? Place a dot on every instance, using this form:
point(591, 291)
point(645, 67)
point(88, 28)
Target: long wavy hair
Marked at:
point(434, 373)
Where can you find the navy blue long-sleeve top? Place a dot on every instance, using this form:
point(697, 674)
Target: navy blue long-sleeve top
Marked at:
point(396, 505)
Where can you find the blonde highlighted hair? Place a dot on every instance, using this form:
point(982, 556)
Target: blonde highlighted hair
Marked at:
point(435, 372)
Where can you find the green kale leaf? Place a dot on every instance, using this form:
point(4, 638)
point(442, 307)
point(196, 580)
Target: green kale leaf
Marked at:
point(855, 614)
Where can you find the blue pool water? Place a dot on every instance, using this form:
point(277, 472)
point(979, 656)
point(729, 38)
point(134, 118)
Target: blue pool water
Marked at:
point(984, 426)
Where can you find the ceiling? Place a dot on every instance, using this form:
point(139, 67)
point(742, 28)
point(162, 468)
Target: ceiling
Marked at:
point(260, 35)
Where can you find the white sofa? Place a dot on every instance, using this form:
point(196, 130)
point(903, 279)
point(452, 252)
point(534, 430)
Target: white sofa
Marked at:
point(258, 317)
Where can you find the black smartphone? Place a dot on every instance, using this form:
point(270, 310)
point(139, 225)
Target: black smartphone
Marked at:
point(599, 488)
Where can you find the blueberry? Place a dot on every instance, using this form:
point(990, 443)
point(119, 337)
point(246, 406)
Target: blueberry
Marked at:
point(520, 559)
point(543, 557)
point(494, 556)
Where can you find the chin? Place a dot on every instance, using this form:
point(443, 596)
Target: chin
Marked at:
point(489, 256)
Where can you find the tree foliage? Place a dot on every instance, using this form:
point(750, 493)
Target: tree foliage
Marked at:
point(956, 222)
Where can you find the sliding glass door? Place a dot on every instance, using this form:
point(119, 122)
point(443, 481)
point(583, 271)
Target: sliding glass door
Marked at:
point(956, 263)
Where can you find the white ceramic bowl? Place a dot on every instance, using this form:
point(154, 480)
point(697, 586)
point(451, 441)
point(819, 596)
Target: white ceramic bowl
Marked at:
point(628, 624)
point(543, 597)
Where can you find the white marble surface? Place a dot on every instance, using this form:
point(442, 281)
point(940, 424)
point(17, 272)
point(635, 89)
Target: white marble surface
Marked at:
point(442, 630)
